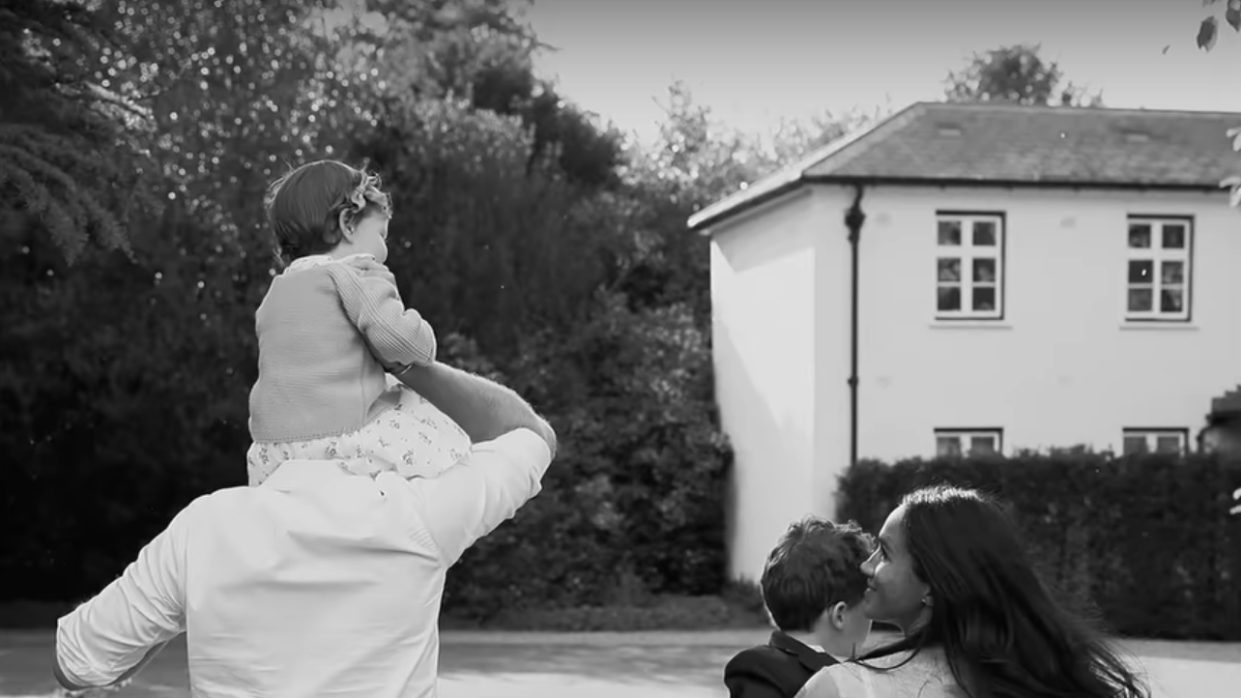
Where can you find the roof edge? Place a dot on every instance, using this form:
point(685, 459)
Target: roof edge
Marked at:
point(789, 176)
point(750, 204)
point(1014, 183)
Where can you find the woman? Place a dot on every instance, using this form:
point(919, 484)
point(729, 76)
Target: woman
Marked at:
point(950, 570)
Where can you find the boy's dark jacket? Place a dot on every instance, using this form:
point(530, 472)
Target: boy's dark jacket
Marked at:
point(778, 669)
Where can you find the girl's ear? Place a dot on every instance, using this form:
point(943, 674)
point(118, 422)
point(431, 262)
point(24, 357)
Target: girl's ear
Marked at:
point(345, 222)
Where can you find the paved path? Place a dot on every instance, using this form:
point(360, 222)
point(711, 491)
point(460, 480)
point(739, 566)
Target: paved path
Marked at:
point(600, 665)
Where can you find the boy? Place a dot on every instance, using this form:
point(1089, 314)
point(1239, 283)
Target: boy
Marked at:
point(812, 586)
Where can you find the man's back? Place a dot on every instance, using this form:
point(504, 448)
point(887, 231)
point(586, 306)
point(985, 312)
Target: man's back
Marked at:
point(317, 582)
point(313, 580)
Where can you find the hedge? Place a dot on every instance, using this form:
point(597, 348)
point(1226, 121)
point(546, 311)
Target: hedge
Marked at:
point(1147, 540)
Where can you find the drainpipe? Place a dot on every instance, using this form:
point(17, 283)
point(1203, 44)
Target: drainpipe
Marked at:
point(854, 218)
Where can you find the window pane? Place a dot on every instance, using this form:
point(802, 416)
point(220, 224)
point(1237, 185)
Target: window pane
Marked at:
point(1135, 444)
point(1174, 237)
point(947, 446)
point(1168, 444)
point(1172, 272)
point(984, 233)
point(1139, 235)
point(949, 298)
point(982, 444)
point(950, 232)
point(984, 270)
point(949, 269)
point(984, 298)
point(1171, 300)
point(1141, 271)
point(1141, 300)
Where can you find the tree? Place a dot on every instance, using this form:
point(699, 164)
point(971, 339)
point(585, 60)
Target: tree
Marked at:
point(1208, 32)
point(66, 150)
point(1018, 75)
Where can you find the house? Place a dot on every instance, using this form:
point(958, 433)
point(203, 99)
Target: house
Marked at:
point(965, 278)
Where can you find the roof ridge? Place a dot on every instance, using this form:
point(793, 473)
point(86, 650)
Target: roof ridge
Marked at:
point(1011, 106)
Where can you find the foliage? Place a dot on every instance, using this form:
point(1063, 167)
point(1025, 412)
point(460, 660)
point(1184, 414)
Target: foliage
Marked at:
point(1095, 523)
point(1016, 74)
point(684, 613)
point(636, 493)
point(1208, 32)
point(519, 231)
point(54, 114)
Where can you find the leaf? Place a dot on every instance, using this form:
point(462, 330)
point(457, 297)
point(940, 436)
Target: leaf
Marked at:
point(1233, 14)
point(1208, 31)
point(1235, 183)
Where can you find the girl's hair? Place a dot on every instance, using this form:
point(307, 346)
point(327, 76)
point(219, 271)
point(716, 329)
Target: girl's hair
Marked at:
point(304, 206)
point(1003, 633)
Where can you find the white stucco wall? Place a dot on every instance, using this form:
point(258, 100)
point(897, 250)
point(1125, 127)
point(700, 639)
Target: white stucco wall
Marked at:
point(772, 273)
point(1063, 367)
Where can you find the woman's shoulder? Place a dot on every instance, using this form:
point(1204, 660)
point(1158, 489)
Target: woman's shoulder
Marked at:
point(843, 680)
point(924, 674)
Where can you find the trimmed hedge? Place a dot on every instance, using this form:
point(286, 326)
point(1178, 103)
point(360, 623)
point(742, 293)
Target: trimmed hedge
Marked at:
point(1147, 539)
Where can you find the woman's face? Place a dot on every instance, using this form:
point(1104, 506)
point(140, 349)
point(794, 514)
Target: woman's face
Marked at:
point(894, 592)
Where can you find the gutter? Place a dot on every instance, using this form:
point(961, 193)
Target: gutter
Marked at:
point(706, 218)
point(854, 218)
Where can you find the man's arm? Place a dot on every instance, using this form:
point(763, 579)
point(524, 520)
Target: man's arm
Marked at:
point(484, 409)
point(111, 637)
point(512, 448)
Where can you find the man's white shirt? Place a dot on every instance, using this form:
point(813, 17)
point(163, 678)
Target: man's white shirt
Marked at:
point(315, 583)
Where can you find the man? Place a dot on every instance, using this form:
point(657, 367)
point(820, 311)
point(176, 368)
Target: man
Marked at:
point(317, 582)
point(812, 586)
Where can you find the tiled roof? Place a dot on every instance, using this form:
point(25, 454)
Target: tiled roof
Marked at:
point(964, 144)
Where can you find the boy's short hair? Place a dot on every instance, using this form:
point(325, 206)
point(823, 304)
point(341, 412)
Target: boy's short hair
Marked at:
point(304, 205)
point(816, 565)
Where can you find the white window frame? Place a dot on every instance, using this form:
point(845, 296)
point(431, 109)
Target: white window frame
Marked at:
point(964, 437)
point(967, 253)
point(1152, 436)
point(1157, 255)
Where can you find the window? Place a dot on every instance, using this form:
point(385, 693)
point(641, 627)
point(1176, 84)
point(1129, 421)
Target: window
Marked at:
point(1159, 268)
point(968, 442)
point(1155, 440)
point(969, 266)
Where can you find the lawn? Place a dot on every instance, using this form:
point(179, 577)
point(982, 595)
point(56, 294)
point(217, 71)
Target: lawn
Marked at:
point(601, 665)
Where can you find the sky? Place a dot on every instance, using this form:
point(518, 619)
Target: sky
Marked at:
point(758, 61)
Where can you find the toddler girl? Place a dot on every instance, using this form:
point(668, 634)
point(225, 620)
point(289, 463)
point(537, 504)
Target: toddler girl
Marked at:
point(330, 328)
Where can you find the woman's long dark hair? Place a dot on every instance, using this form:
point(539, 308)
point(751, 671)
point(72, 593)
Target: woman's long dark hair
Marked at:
point(1003, 633)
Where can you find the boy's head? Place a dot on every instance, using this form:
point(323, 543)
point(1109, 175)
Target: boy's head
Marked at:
point(328, 207)
point(813, 583)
